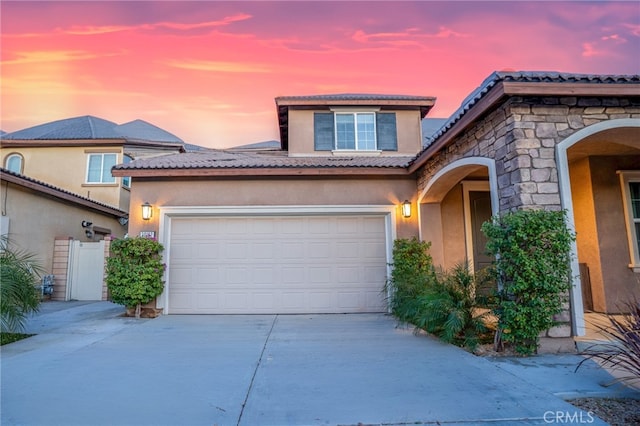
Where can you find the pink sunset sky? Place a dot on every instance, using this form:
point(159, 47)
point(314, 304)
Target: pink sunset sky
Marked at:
point(208, 71)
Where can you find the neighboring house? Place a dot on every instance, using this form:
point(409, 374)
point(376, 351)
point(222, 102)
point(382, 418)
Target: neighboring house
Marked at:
point(59, 193)
point(310, 228)
point(37, 217)
point(77, 154)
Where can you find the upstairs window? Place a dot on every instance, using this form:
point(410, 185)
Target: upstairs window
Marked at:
point(357, 131)
point(99, 168)
point(630, 181)
point(14, 163)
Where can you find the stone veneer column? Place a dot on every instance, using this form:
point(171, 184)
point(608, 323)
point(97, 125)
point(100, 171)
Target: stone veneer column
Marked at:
point(521, 136)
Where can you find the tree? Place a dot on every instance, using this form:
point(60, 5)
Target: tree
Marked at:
point(19, 275)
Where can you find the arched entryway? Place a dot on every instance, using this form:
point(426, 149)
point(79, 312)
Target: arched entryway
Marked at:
point(599, 179)
point(452, 207)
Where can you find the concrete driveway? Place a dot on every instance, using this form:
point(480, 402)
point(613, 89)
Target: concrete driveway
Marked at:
point(90, 366)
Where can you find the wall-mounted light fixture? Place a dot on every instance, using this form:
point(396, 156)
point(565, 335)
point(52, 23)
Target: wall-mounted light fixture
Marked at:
point(147, 211)
point(406, 208)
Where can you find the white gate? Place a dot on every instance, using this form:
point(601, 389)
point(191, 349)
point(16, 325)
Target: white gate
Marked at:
point(87, 271)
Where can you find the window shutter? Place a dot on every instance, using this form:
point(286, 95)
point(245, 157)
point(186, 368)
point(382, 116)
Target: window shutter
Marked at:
point(323, 131)
point(386, 131)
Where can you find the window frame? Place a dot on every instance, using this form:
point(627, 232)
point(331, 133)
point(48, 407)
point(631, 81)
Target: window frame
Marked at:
point(126, 180)
point(626, 178)
point(14, 155)
point(355, 115)
point(102, 157)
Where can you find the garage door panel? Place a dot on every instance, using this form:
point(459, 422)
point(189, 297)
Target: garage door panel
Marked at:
point(349, 275)
point(207, 300)
point(275, 264)
point(292, 250)
point(321, 301)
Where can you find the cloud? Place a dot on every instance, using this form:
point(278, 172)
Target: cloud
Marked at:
point(219, 66)
point(48, 56)
point(408, 37)
point(615, 38)
point(178, 26)
point(589, 50)
point(633, 28)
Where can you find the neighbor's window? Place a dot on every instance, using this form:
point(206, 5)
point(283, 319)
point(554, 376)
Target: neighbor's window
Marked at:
point(126, 181)
point(355, 131)
point(631, 197)
point(99, 168)
point(14, 163)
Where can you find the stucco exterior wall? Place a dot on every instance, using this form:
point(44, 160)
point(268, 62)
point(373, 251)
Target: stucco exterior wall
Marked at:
point(586, 228)
point(453, 228)
point(66, 167)
point(301, 136)
point(521, 135)
point(35, 222)
point(622, 283)
point(274, 192)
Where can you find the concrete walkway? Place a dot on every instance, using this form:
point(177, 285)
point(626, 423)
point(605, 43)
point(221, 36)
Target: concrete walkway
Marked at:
point(88, 365)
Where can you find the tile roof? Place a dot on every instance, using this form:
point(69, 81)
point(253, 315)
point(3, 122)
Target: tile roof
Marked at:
point(41, 186)
point(525, 77)
point(218, 159)
point(355, 97)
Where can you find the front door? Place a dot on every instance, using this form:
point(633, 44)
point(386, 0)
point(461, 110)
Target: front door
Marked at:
point(480, 206)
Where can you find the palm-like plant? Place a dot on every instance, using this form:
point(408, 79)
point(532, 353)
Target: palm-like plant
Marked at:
point(19, 274)
point(621, 351)
point(450, 308)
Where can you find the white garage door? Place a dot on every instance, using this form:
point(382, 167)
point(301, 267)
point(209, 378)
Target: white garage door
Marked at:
point(274, 264)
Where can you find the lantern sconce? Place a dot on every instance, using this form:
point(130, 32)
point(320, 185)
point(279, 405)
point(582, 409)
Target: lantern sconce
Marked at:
point(406, 208)
point(147, 211)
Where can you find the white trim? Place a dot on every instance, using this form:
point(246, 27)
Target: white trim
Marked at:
point(355, 115)
point(489, 163)
point(354, 109)
point(102, 155)
point(170, 212)
point(626, 177)
point(564, 182)
point(470, 185)
point(358, 152)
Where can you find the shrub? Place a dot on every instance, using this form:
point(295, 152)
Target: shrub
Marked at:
point(621, 352)
point(532, 265)
point(450, 310)
point(412, 272)
point(19, 276)
point(443, 303)
point(134, 272)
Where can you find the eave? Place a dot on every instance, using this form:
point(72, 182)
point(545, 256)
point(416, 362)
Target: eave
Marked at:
point(36, 143)
point(252, 172)
point(61, 195)
point(52, 143)
point(504, 90)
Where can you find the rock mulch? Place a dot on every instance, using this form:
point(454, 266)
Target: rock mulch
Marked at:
point(616, 412)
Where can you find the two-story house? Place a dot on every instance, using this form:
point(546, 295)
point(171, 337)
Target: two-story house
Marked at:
point(77, 154)
point(310, 227)
point(57, 186)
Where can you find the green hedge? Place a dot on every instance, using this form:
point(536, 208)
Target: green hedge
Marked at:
point(532, 264)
